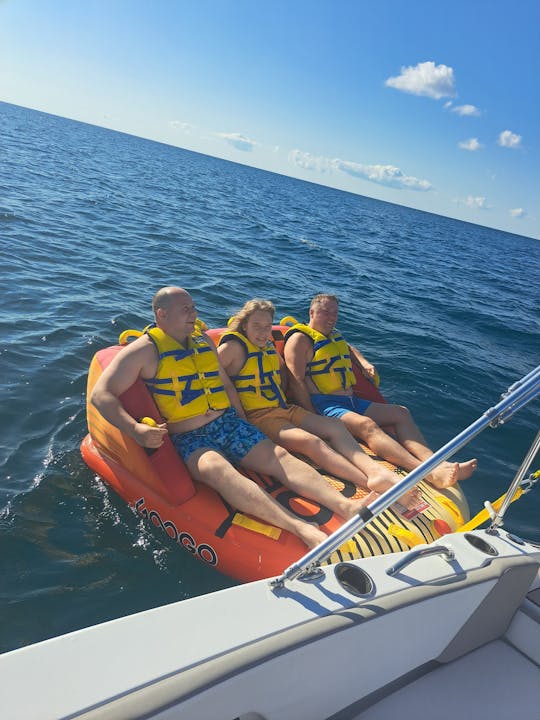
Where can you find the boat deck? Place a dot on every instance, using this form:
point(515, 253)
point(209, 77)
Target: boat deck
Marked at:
point(499, 680)
point(477, 685)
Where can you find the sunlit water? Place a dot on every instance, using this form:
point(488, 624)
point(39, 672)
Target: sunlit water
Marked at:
point(92, 222)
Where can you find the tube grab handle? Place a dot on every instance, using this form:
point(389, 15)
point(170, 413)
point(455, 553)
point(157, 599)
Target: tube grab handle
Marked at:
point(419, 553)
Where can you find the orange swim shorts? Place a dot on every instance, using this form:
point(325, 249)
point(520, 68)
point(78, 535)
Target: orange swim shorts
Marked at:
point(271, 420)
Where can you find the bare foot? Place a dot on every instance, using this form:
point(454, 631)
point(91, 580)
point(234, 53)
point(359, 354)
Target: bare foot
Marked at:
point(445, 475)
point(353, 507)
point(310, 534)
point(411, 498)
point(466, 469)
point(383, 479)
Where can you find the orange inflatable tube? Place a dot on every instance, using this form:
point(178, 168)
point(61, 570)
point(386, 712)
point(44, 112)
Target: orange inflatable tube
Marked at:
point(158, 486)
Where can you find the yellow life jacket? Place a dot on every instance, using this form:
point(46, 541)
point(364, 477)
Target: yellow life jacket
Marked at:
point(331, 366)
point(187, 381)
point(258, 383)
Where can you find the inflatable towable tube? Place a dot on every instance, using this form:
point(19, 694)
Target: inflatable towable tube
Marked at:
point(157, 485)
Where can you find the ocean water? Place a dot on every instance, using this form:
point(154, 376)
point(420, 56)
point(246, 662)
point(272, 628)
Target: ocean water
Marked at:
point(93, 221)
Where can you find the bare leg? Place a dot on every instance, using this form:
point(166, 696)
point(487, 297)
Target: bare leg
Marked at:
point(306, 442)
point(299, 476)
point(411, 450)
point(211, 468)
point(335, 433)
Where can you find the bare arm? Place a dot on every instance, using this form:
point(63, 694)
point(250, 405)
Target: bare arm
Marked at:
point(231, 358)
point(136, 360)
point(368, 369)
point(297, 353)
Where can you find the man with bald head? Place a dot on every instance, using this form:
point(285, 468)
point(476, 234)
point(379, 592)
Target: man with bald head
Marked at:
point(205, 419)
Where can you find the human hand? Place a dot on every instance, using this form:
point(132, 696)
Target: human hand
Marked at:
point(369, 370)
point(149, 434)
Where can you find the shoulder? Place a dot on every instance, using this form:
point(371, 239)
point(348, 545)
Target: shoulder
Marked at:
point(232, 353)
point(138, 359)
point(141, 352)
point(298, 346)
point(298, 339)
point(230, 337)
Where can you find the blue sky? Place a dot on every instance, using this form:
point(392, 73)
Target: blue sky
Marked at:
point(425, 103)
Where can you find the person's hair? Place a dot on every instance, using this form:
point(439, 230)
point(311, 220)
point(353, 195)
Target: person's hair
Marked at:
point(322, 297)
point(238, 321)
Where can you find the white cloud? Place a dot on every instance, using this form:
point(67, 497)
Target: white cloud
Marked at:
point(469, 110)
point(509, 139)
point(238, 141)
point(382, 174)
point(517, 212)
point(179, 125)
point(435, 81)
point(388, 175)
point(472, 144)
point(476, 202)
point(309, 162)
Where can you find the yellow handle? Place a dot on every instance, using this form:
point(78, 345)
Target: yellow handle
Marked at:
point(148, 421)
point(483, 515)
point(288, 320)
point(128, 336)
point(200, 327)
point(408, 536)
point(452, 508)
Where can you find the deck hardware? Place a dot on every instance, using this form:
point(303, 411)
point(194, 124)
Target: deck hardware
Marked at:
point(480, 544)
point(420, 553)
point(497, 518)
point(354, 580)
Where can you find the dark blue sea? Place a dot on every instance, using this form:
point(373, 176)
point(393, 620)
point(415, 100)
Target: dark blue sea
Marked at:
point(93, 222)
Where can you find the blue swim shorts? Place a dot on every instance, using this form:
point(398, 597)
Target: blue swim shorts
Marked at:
point(337, 405)
point(228, 434)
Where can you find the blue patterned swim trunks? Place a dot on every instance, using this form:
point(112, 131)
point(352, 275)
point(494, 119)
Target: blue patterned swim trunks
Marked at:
point(337, 405)
point(228, 434)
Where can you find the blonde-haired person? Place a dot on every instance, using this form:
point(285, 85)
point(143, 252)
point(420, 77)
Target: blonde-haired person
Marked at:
point(252, 362)
point(319, 360)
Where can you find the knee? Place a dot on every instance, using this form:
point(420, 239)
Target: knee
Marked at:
point(402, 413)
point(278, 453)
point(313, 444)
point(370, 429)
point(209, 463)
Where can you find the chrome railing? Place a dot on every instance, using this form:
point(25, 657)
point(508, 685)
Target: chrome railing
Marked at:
point(517, 396)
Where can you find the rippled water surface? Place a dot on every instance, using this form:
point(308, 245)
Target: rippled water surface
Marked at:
point(92, 222)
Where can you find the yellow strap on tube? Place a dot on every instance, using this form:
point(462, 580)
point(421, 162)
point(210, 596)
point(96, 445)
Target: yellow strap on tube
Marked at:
point(452, 508)
point(256, 526)
point(483, 515)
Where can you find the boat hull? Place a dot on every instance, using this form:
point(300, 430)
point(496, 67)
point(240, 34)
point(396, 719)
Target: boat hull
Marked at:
point(360, 642)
